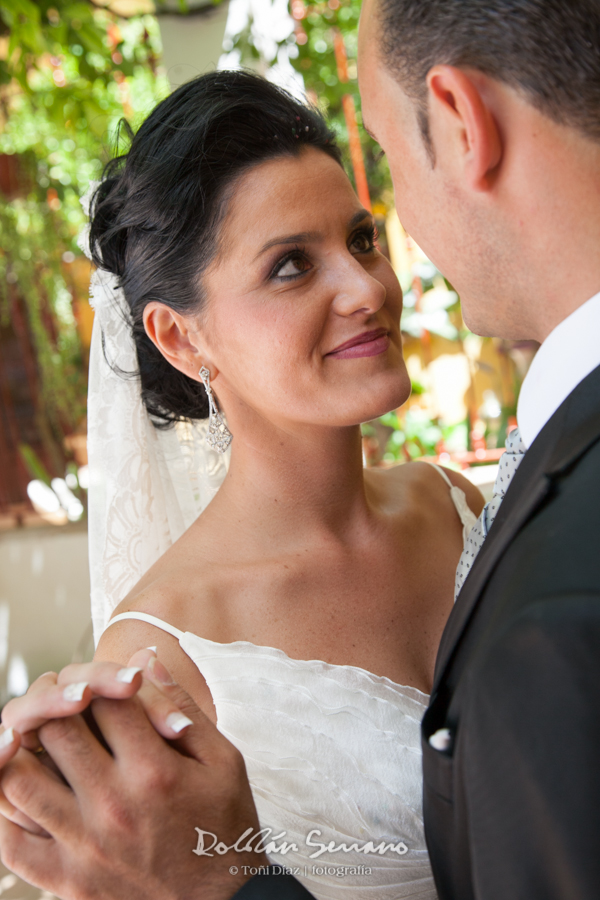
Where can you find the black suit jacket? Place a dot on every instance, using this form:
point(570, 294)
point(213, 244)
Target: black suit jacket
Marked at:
point(512, 809)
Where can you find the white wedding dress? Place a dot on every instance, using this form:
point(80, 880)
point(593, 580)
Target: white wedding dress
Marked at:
point(327, 747)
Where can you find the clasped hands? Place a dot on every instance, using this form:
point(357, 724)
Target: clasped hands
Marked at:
point(104, 778)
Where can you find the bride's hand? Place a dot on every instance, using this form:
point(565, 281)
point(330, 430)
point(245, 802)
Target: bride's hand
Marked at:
point(70, 692)
point(54, 696)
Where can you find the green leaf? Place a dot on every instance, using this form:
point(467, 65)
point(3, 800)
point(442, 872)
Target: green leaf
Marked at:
point(33, 464)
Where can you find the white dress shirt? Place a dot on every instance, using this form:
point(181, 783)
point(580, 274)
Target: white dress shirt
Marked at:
point(566, 357)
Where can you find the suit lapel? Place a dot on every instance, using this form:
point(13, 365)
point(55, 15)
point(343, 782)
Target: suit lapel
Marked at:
point(568, 434)
point(527, 490)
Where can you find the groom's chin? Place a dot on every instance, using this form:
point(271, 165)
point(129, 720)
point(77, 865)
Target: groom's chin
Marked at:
point(486, 319)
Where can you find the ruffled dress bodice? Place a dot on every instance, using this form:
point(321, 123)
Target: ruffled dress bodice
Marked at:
point(327, 748)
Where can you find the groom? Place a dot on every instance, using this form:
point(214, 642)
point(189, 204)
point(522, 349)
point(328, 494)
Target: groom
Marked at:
point(489, 111)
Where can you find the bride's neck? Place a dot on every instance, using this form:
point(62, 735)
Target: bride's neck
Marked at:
point(284, 483)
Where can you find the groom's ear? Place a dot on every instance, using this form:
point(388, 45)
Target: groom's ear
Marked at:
point(178, 338)
point(466, 140)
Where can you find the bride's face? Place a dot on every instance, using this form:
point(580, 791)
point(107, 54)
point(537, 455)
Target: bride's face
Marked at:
point(302, 315)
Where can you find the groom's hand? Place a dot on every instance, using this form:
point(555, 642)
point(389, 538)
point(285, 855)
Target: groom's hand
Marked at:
point(124, 824)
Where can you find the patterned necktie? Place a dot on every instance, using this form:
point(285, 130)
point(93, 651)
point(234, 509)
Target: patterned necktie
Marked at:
point(509, 463)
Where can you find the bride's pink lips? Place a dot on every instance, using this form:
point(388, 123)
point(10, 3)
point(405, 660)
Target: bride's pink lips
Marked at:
point(370, 343)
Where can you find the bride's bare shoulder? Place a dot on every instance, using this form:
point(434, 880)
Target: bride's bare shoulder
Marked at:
point(181, 588)
point(422, 480)
point(178, 591)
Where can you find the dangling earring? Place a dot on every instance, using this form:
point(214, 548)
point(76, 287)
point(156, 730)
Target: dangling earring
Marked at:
point(218, 436)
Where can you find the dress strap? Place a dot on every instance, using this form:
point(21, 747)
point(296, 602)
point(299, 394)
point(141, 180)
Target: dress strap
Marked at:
point(459, 498)
point(441, 471)
point(151, 620)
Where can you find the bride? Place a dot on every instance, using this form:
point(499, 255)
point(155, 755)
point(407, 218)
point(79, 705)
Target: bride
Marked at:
point(302, 609)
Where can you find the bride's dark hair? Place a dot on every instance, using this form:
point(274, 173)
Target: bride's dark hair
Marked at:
point(155, 216)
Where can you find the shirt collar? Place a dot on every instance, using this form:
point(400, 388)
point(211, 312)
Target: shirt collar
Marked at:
point(566, 357)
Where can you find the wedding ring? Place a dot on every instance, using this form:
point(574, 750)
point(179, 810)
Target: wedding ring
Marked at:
point(39, 751)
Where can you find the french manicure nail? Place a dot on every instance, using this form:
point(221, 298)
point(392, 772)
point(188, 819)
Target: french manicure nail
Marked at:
point(177, 722)
point(158, 670)
point(152, 648)
point(6, 738)
point(74, 692)
point(127, 675)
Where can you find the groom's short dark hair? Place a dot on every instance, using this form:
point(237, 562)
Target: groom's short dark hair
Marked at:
point(548, 49)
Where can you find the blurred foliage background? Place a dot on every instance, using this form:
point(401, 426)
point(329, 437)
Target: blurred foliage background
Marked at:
point(69, 71)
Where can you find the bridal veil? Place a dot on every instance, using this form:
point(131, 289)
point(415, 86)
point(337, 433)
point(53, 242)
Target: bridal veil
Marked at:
point(146, 485)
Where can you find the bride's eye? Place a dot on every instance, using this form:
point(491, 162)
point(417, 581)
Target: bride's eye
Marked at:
point(291, 266)
point(364, 241)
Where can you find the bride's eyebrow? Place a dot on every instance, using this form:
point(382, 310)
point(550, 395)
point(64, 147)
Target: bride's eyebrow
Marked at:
point(359, 217)
point(301, 238)
point(305, 237)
